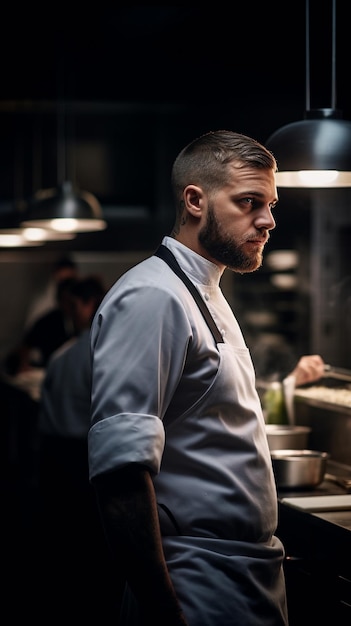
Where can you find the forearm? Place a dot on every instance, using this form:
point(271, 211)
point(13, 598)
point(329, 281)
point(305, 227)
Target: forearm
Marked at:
point(128, 509)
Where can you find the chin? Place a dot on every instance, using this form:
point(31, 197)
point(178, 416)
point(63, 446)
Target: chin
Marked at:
point(252, 266)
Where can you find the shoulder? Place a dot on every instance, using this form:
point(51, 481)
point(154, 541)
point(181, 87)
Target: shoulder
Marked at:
point(150, 285)
point(149, 298)
point(62, 350)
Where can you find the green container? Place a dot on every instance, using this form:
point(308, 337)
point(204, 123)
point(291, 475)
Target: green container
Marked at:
point(273, 404)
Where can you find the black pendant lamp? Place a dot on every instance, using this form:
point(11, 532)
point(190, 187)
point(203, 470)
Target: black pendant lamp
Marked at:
point(13, 234)
point(315, 152)
point(65, 209)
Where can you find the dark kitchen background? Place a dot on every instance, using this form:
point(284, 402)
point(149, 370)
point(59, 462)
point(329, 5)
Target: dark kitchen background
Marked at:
point(136, 83)
point(122, 89)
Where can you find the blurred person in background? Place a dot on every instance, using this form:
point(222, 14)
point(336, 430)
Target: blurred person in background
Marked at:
point(65, 267)
point(70, 536)
point(22, 375)
point(48, 323)
point(49, 331)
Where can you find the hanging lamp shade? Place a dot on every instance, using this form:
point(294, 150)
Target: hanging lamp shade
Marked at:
point(65, 209)
point(12, 234)
point(315, 152)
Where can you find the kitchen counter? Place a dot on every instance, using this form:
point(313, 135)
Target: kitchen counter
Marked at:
point(317, 543)
point(340, 518)
point(318, 555)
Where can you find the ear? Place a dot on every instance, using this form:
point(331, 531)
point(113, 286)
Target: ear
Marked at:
point(194, 200)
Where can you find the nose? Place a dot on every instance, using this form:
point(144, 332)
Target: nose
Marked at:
point(265, 219)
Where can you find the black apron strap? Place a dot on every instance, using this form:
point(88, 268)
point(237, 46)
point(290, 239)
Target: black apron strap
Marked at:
point(166, 255)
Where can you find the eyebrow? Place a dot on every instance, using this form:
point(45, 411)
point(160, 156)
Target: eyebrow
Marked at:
point(258, 194)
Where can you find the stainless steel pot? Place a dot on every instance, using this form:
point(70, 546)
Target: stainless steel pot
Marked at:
point(282, 437)
point(299, 468)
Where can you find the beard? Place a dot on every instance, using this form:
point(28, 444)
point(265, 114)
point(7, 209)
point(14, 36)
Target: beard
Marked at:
point(225, 249)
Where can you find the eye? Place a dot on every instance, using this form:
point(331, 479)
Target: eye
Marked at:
point(248, 201)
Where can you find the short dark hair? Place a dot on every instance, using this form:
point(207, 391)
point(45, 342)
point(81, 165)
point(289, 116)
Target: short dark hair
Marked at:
point(203, 161)
point(64, 287)
point(63, 262)
point(89, 288)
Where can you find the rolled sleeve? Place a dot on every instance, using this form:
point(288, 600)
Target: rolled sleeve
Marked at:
point(137, 362)
point(120, 440)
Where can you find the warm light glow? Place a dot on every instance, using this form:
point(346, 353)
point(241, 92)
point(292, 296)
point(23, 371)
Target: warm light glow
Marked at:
point(15, 240)
point(11, 240)
point(318, 177)
point(284, 281)
point(43, 234)
point(34, 234)
point(64, 225)
point(282, 259)
point(67, 225)
point(313, 178)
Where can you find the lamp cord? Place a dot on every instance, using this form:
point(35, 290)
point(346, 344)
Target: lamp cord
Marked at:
point(61, 121)
point(333, 66)
point(308, 94)
point(333, 73)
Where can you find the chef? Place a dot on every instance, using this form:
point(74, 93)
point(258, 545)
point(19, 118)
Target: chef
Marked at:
point(178, 452)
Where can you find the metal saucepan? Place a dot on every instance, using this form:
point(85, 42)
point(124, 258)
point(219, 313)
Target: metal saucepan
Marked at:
point(297, 469)
point(283, 437)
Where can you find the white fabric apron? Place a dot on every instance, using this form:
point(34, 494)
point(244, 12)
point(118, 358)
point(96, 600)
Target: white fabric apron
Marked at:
point(218, 522)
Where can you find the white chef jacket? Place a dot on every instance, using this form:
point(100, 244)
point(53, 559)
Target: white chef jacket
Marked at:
point(165, 395)
point(65, 394)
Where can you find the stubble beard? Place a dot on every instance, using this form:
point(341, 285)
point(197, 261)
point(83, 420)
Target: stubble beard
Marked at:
point(225, 249)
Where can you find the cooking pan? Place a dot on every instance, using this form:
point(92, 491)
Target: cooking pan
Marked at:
point(281, 436)
point(299, 469)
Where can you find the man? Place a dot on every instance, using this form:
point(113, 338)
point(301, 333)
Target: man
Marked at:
point(49, 331)
point(63, 268)
point(47, 325)
point(69, 530)
point(178, 452)
point(65, 394)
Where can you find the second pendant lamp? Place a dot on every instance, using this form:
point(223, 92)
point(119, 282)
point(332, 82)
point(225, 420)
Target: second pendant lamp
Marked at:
point(314, 152)
point(65, 208)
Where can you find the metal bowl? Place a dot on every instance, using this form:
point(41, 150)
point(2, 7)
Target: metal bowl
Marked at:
point(299, 468)
point(283, 437)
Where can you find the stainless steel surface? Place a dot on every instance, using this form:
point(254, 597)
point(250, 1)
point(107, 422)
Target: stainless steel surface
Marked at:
point(287, 437)
point(339, 480)
point(327, 487)
point(299, 468)
point(337, 372)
